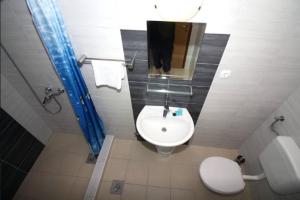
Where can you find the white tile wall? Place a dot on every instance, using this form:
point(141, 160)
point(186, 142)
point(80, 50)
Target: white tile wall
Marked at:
point(254, 145)
point(17, 107)
point(262, 54)
point(95, 32)
point(95, 37)
point(17, 35)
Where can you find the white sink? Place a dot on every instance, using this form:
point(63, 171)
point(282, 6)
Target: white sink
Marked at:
point(169, 131)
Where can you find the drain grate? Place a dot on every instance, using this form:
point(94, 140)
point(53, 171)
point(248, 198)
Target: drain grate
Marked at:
point(117, 187)
point(91, 159)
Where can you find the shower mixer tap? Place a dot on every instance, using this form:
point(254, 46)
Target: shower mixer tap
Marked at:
point(50, 94)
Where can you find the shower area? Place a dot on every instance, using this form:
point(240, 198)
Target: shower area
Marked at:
point(35, 103)
point(53, 161)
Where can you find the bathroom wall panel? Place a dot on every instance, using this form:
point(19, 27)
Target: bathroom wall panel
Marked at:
point(258, 140)
point(16, 105)
point(209, 56)
point(212, 48)
point(20, 149)
point(19, 37)
point(11, 179)
point(99, 36)
point(262, 53)
point(18, 152)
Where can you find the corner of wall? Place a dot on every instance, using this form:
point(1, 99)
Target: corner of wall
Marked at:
point(14, 104)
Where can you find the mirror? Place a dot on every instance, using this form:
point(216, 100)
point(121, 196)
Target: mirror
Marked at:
point(173, 49)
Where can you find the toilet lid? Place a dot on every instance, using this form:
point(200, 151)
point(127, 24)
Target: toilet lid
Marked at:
point(221, 175)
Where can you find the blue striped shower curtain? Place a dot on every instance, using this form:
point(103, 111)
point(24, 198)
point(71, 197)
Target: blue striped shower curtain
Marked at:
point(51, 28)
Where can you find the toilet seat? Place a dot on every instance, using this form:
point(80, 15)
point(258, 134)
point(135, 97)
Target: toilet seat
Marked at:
point(221, 175)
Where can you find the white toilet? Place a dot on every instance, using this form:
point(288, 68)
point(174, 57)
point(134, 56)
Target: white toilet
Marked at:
point(280, 161)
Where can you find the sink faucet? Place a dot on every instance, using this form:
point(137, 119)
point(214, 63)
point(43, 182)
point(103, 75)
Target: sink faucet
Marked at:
point(166, 110)
point(166, 107)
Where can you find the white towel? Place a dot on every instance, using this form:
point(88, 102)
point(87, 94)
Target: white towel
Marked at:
point(108, 73)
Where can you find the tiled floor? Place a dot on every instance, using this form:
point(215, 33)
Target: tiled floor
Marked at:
point(149, 176)
point(60, 171)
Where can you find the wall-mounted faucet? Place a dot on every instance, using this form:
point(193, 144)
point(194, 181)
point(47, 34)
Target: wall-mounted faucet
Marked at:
point(50, 94)
point(276, 119)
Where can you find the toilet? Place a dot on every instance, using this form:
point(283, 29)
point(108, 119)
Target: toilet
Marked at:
point(280, 161)
point(221, 175)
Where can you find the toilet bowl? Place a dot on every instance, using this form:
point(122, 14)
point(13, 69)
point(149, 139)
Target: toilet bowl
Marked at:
point(221, 175)
point(280, 162)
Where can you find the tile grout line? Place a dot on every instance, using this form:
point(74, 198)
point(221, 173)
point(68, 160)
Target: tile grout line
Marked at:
point(97, 174)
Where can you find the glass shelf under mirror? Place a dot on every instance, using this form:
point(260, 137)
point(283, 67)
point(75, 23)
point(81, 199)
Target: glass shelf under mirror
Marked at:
point(165, 87)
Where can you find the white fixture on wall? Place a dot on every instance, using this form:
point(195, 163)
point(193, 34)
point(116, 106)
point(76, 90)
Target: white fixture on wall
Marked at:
point(179, 10)
point(225, 73)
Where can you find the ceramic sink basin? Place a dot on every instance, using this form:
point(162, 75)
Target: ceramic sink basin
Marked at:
point(169, 131)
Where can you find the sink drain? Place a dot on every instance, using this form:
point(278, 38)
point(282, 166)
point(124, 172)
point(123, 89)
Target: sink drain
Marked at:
point(163, 129)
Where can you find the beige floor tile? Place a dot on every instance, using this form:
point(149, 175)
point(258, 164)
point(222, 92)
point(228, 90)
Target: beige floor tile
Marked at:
point(21, 197)
point(197, 154)
point(143, 151)
point(48, 161)
point(104, 192)
point(46, 186)
point(159, 174)
point(202, 192)
point(182, 154)
point(178, 194)
point(134, 192)
point(213, 151)
point(184, 176)
point(86, 170)
point(137, 172)
point(72, 143)
point(121, 148)
point(70, 164)
point(58, 162)
point(78, 189)
point(245, 195)
point(115, 169)
point(32, 181)
point(60, 141)
point(158, 193)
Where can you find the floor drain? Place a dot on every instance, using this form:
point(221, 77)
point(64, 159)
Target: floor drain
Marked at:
point(117, 187)
point(91, 159)
point(163, 129)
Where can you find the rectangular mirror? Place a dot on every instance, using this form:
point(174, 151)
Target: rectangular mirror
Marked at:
point(173, 49)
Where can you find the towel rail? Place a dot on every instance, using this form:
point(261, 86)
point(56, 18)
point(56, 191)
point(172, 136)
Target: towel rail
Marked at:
point(88, 60)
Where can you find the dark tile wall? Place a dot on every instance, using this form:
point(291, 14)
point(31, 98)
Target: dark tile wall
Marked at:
point(18, 151)
point(212, 48)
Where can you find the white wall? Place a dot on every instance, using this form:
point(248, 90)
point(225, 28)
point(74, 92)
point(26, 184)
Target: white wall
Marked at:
point(262, 53)
point(255, 144)
point(20, 38)
point(17, 107)
point(94, 31)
